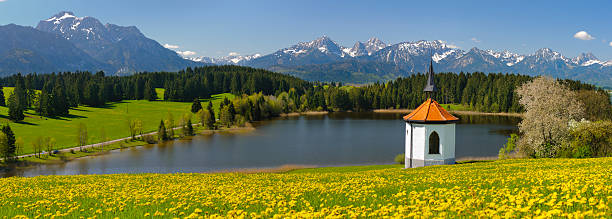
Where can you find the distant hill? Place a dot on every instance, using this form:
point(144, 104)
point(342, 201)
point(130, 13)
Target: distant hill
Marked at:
point(27, 50)
point(126, 49)
point(65, 42)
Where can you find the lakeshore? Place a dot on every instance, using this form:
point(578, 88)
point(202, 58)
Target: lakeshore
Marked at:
point(92, 150)
point(102, 148)
point(307, 140)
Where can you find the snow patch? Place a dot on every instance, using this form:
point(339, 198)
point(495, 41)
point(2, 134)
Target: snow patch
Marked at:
point(348, 51)
point(292, 51)
point(66, 15)
point(437, 57)
point(75, 25)
point(591, 62)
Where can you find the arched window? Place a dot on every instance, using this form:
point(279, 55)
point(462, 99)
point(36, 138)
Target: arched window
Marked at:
point(434, 143)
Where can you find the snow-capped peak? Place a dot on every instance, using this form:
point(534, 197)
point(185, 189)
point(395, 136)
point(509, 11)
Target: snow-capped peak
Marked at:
point(586, 59)
point(58, 18)
point(232, 58)
point(322, 44)
point(368, 48)
point(546, 54)
point(373, 45)
point(506, 57)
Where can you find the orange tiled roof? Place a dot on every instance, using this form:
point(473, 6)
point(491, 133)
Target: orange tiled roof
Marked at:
point(430, 111)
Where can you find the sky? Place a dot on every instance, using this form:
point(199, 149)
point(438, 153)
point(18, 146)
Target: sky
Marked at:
point(217, 28)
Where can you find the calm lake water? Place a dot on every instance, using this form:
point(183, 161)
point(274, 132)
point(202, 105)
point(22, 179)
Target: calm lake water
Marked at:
point(327, 140)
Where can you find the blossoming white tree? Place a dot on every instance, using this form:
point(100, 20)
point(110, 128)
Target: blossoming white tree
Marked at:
point(549, 106)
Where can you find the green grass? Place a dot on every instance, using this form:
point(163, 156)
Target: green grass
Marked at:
point(160, 93)
point(456, 107)
point(8, 90)
point(520, 188)
point(112, 117)
point(66, 156)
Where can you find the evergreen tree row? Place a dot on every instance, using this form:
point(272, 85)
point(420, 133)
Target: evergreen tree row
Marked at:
point(57, 93)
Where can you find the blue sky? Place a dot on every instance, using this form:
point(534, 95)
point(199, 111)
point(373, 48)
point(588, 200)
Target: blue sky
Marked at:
point(216, 28)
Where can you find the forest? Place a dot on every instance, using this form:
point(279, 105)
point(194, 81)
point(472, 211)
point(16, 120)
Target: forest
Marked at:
point(54, 94)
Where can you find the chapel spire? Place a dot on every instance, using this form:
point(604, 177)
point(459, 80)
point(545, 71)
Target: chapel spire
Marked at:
point(431, 84)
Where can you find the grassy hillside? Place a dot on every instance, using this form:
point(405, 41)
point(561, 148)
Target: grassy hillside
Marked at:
point(112, 117)
point(507, 188)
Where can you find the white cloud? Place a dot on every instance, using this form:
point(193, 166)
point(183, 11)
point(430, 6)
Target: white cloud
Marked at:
point(2, 0)
point(233, 54)
point(186, 53)
point(168, 46)
point(475, 40)
point(611, 43)
point(583, 35)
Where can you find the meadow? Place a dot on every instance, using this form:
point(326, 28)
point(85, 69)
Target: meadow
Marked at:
point(505, 188)
point(112, 119)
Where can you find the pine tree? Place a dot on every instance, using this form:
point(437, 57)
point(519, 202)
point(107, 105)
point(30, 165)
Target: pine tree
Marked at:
point(43, 104)
point(2, 101)
point(92, 93)
point(234, 86)
point(15, 110)
point(20, 93)
point(210, 118)
point(196, 106)
point(189, 128)
point(161, 132)
point(232, 112)
point(149, 92)
point(10, 149)
point(59, 101)
point(211, 111)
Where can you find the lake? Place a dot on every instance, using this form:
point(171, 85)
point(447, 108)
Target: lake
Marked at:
point(335, 139)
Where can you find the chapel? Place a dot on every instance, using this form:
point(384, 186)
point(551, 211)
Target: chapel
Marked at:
point(430, 131)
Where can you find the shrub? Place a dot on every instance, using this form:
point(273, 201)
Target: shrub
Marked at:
point(508, 148)
point(149, 139)
point(400, 158)
point(590, 139)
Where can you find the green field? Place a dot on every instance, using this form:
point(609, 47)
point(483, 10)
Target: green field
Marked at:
point(112, 118)
point(575, 188)
point(456, 107)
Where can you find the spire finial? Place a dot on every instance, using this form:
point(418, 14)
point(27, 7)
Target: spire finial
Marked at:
point(431, 85)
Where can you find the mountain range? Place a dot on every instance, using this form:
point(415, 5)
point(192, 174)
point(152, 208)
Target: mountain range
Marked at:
point(65, 42)
point(324, 59)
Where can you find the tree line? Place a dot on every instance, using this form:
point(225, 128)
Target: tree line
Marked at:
point(54, 94)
